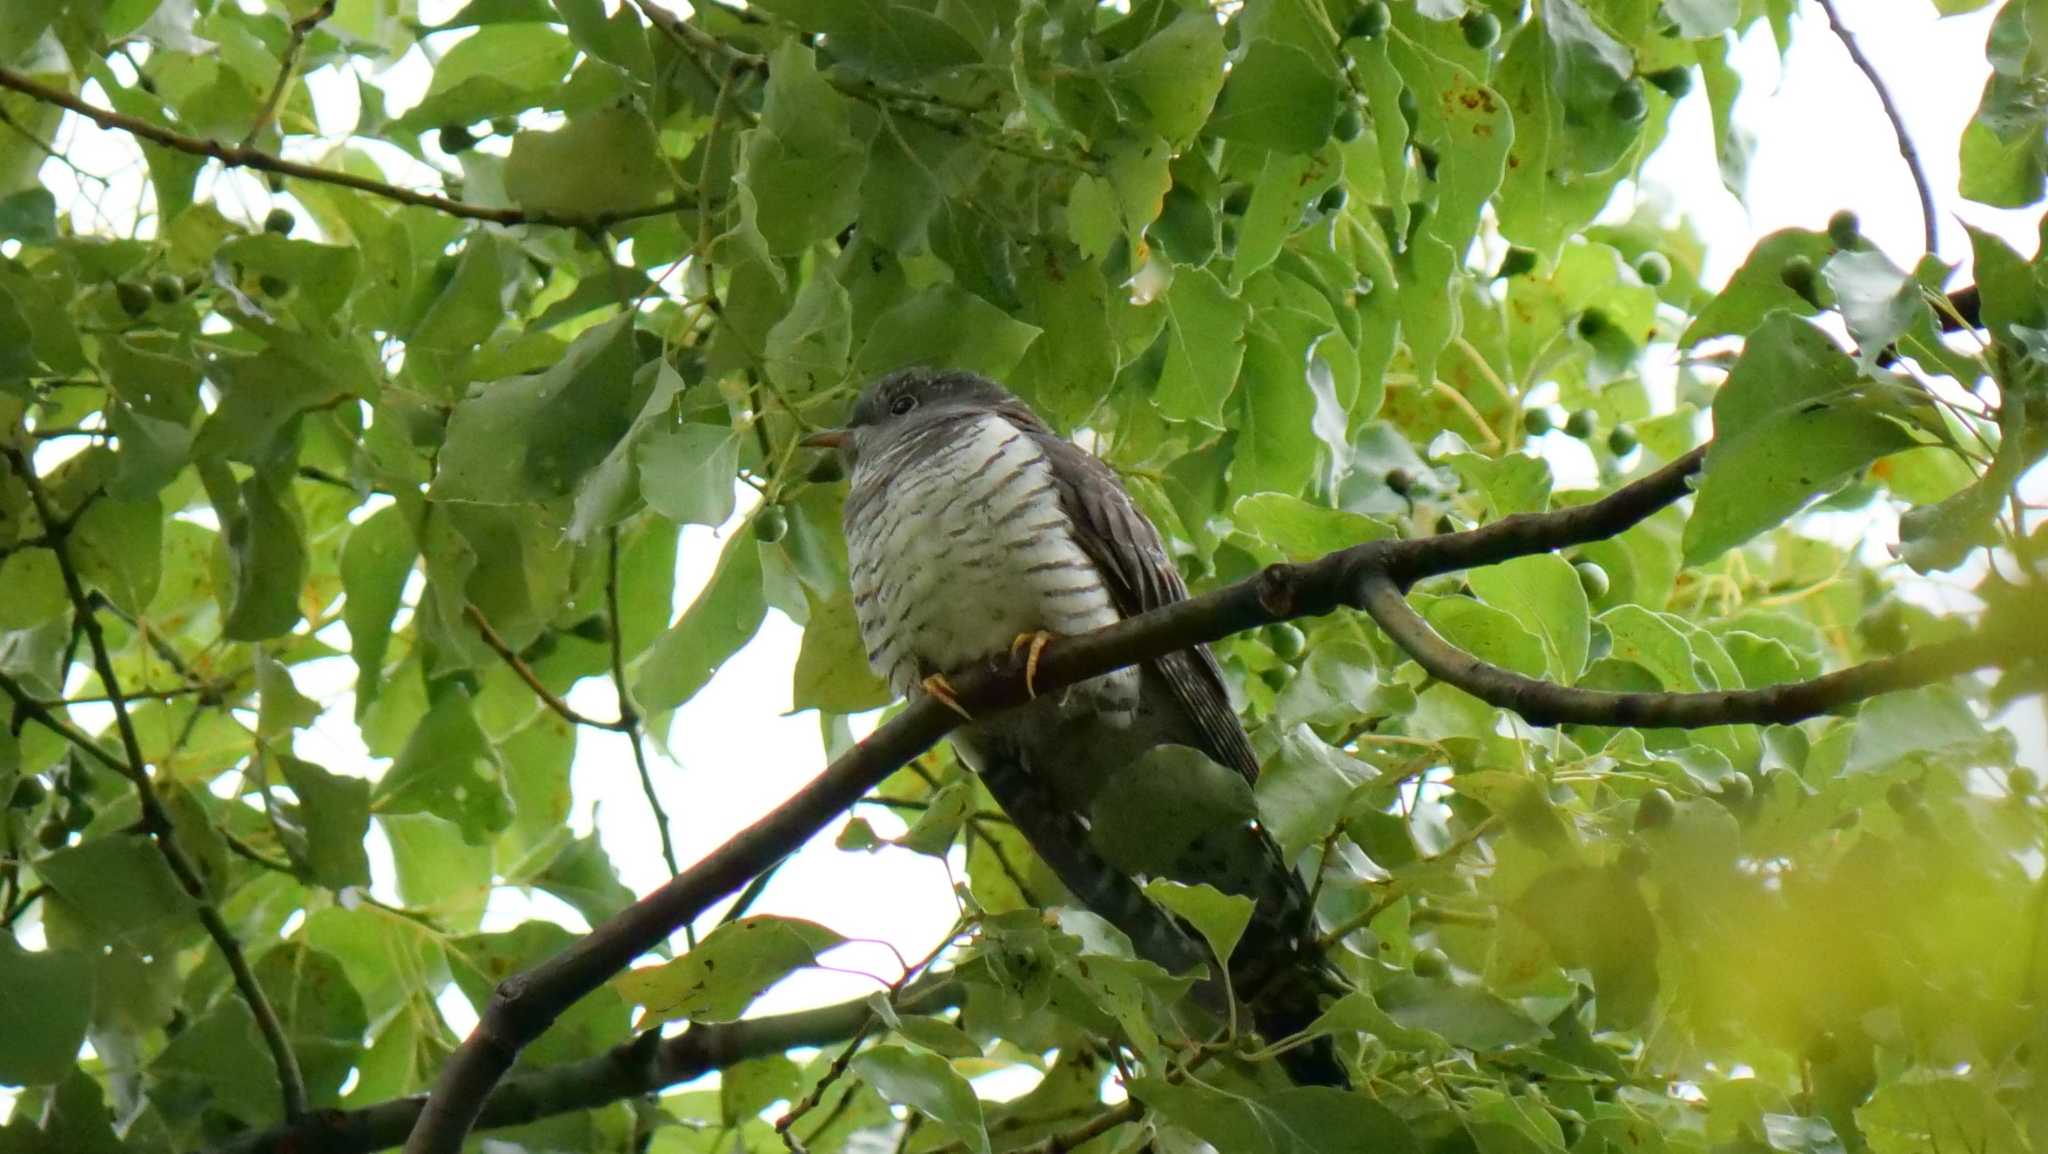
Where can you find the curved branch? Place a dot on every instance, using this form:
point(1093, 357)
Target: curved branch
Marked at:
point(1910, 154)
point(644, 1065)
point(242, 156)
point(1358, 577)
point(1546, 703)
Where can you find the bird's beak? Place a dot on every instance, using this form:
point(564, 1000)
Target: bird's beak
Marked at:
point(827, 439)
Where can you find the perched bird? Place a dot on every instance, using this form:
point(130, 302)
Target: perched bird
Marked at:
point(974, 532)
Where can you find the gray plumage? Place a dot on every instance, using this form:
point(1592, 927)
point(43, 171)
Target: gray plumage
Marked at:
point(970, 523)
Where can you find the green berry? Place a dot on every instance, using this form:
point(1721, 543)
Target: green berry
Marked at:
point(1431, 963)
point(1481, 28)
point(1537, 421)
point(1798, 274)
point(1845, 230)
point(52, 834)
point(1411, 108)
point(771, 525)
point(1237, 200)
point(1592, 323)
point(592, 628)
point(78, 814)
point(1593, 579)
point(273, 285)
point(1621, 440)
point(1673, 82)
point(280, 221)
point(1518, 260)
point(2022, 782)
point(1901, 797)
point(1628, 102)
point(1370, 21)
point(133, 297)
point(1277, 677)
point(1286, 640)
point(1350, 124)
point(1580, 424)
point(167, 289)
point(29, 793)
point(1656, 809)
point(1333, 199)
point(1445, 523)
point(1401, 481)
point(1653, 268)
point(456, 139)
point(504, 126)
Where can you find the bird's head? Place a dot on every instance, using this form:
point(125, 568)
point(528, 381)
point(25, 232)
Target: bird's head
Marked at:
point(906, 400)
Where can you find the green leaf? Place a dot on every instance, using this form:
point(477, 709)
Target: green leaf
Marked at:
point(1279, 96)
point(1298, 1120)
point(118, 549)
point(324, 1016)
point(1879, 301)
point(376, 558)
point(687, 473)
point(1463, 1016)
point(334, 817)
point(731, 966)
point(929, 1084)
point(501, 70)
point(1174, 75)
point(120, 887)
point(1909, 724)
point(722, 618)
point(222, 1056)
point(1069, 368)
point(532, 439)
point(1587, 67)
point(1542, 591)
point(807, 349)
point(1302, 788)
point(1618, 947)
point(944, 326)
point(1758, 288)
point(896, 41)
point(1789, 425)
point(1205, 331)
point(803, 161)
point(936, 828)
point(448, 769)
point(45, 1003)
point(2004, 158)
point(35, 589)
point(832, 671)
point(609, 159)
point(1487, 633)
point(1302, 531)
point(1937, 1109)
point(1219, 917)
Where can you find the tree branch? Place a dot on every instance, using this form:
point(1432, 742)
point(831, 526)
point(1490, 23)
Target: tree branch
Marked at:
point(1545, 703)
point(1910, 154)
point(644, 1065)
point(242, 156)
point(629, 717)
point(1359, 577)
point(288, 71)
point(519, 666)
point(155, 818)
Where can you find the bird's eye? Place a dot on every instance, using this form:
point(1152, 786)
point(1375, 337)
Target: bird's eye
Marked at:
point(902, 404)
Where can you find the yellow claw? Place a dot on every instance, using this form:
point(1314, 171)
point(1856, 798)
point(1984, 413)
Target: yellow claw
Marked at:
point(937, 686)
point(1035, 641)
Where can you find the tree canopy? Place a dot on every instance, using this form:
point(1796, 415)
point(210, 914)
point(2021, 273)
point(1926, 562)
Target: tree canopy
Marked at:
point(1644, 809)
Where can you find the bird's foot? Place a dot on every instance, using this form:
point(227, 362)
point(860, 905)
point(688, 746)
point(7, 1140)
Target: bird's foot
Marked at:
point(937, 686)
point(1031, 645)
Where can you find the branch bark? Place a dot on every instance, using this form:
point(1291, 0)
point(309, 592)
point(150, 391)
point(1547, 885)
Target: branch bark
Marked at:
point(1363, 576)
point(644, 1065)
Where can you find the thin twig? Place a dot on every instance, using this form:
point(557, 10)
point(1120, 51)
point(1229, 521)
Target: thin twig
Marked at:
point(156, 819)
point(1911, 155)
point(288, 71)
point(237, 156)
point(629, 717)
point(518, 665)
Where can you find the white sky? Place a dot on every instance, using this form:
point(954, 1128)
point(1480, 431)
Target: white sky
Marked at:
point(1823, 144)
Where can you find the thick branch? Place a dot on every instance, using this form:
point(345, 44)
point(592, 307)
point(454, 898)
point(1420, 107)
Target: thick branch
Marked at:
point(1546, 703)
point(155, 818)
point(241, 156)
point(642, 1066)
point(1907, 152)
point(1364, 574)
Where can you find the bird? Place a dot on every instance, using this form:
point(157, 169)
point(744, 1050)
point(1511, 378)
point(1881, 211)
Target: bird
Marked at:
point(974, 533)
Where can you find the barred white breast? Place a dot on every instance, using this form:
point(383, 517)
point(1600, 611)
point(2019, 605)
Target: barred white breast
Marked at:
point(965, 548)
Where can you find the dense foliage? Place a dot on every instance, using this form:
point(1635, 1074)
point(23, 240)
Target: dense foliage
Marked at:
point(433, 396)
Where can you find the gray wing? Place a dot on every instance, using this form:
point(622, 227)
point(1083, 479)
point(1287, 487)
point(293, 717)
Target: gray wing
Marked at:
point(1128, 550)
